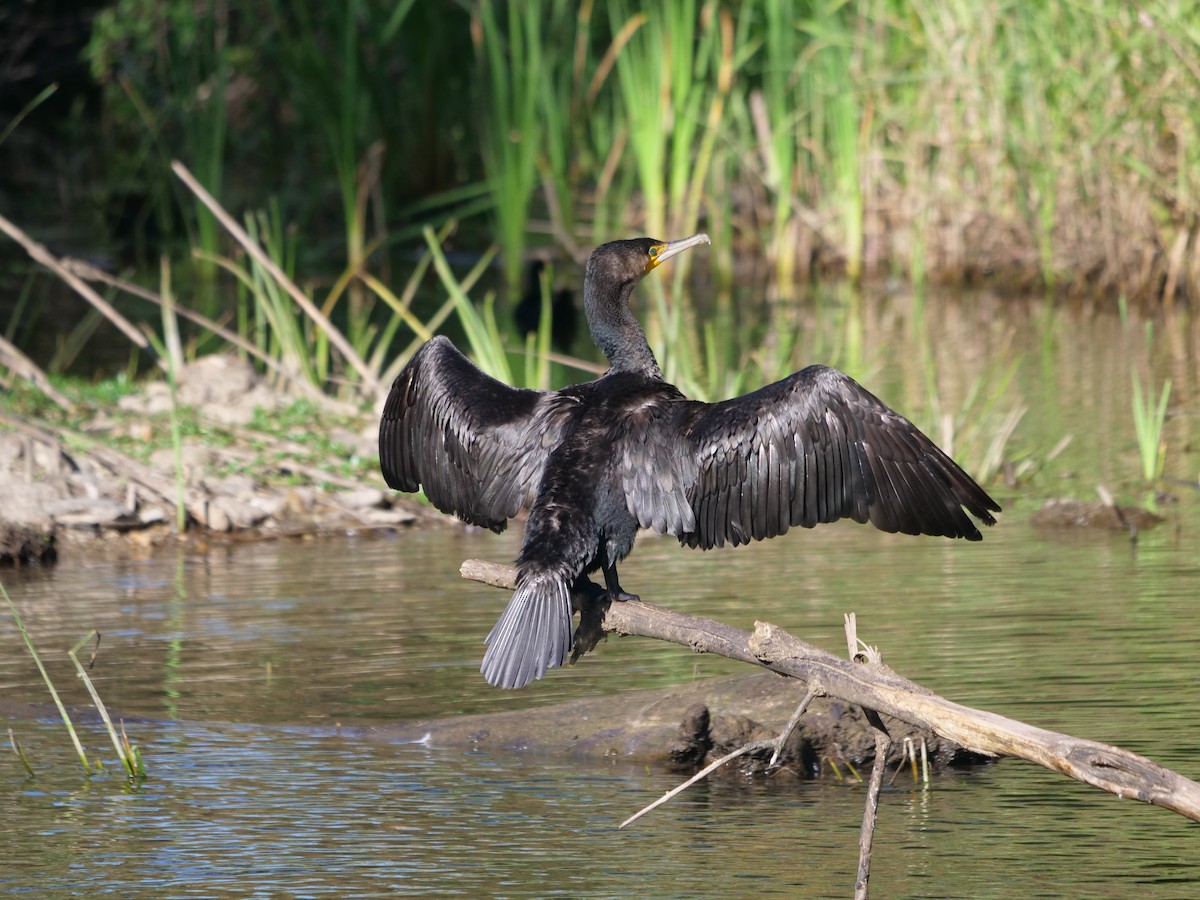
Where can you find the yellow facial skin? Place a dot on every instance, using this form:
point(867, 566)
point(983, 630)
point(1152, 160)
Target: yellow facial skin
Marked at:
point(660, 253)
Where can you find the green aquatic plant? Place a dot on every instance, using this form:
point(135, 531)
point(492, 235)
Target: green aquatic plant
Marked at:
point(513, 62)
point(537, 345)
point(483, 333)
point(673, 74)
point(19, 750)
point(130, 756)
point(167, 69)
point(1148, 421)
point(170, 349)
point(37, 659)
point(774, 109)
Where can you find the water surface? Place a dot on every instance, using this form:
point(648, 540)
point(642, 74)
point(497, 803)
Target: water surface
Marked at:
point(257, 653)
point(248, 661)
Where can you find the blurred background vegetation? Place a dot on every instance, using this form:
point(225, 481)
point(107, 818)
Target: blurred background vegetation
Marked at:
point(1026, 146)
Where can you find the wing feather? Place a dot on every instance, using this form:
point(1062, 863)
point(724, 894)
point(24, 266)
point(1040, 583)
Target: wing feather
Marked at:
point(815, 447)
point(475, 445)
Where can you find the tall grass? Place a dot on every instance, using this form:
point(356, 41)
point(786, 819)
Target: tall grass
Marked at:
point(327, 55)
point(778, 136)
point(512, 58)
point(37, 659)
point(129, 755)
point(1038, 143)
point(673, 75)
point(171, 350)
point(1024, 139)
point(191, 75)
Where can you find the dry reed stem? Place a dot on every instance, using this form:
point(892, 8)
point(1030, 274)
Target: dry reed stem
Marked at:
point(239, 234)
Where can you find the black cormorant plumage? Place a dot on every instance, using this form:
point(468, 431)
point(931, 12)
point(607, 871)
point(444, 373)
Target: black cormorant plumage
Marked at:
point(596, 461)
point(527, 315)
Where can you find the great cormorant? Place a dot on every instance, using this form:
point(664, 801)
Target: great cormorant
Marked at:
point(596, 461)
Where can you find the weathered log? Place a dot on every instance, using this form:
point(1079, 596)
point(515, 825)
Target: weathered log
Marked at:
point(875, 686)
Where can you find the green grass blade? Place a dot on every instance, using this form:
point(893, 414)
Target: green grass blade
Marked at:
point(131, 769)
point(62, 710)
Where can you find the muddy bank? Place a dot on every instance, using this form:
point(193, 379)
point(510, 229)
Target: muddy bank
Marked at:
point(116, 473)
point(684, 727)
point(1068, 513)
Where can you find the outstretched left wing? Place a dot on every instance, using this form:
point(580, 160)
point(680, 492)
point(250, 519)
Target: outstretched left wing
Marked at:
point(476, 445)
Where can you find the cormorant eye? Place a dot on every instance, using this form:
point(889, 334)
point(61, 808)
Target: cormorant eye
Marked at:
point(654, 253)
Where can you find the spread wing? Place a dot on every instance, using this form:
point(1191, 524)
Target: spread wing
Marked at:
point(476, 445)
point(814, 447)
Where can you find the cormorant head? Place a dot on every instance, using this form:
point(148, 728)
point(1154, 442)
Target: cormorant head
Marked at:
point(626, 262)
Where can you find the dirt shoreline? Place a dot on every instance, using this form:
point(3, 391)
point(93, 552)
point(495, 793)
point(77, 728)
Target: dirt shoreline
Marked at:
point(65, 489)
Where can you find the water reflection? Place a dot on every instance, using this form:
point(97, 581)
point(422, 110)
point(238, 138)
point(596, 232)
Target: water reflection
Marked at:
point(255, 654)
point(273, 811)
point(289, 639)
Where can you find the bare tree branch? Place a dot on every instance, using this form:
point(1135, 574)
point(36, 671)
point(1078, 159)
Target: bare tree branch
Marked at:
point(874, 686)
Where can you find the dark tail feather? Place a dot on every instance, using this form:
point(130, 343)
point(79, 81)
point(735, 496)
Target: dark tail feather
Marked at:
point(533, 634)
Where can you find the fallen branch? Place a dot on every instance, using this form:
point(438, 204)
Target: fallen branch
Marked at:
point(883, 742)
point(875, 686)
point(776, 745)
point(23, 366)
point(40, 254)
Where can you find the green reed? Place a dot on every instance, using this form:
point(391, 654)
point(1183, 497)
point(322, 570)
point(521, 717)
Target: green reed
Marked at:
point(673, 74)
point(842, 123)
point(1149, 419)
point(942, 136)
point(62, 710)
point(346, 100)
point(38, 99)
point(537, 345)
point(129, 755)
point(170, 349)
point(792, 118)
point(641, 75)
point(482, 330)
point(774, 112)
point(512, 60)
point(169, 70)
point(20, 751)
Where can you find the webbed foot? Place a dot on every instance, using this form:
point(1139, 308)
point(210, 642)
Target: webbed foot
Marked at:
point(615, 592)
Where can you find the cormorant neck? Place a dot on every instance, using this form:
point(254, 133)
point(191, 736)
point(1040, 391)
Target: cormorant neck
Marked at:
point(615, 330)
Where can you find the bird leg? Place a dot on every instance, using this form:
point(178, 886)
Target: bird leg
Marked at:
point(592, 602)
point(614, 586)
point(586, 593)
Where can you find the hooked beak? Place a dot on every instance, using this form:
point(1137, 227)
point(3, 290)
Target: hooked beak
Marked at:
point(660, 253)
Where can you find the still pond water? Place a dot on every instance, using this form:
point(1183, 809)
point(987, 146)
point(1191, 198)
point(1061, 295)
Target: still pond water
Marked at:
point(246, 659)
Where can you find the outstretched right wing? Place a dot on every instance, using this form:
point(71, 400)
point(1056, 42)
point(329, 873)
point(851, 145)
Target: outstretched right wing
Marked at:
point(476, 445)
point(815, 447)
point(818, 447)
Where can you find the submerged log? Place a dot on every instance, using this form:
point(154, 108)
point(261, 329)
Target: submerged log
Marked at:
point(874, 686)
point(685, 727)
